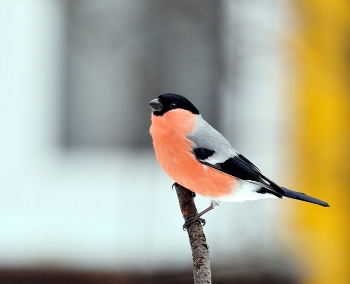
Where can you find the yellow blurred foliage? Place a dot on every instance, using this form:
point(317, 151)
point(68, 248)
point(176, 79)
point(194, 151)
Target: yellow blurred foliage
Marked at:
point(323, 140)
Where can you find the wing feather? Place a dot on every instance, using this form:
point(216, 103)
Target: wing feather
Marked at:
point(213, 150)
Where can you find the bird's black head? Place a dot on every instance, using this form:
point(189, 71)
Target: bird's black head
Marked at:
point(168, 102)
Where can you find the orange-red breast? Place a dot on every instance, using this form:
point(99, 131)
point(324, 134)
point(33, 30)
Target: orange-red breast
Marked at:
point(199, 158)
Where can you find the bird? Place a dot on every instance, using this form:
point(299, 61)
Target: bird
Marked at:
point(199, 158)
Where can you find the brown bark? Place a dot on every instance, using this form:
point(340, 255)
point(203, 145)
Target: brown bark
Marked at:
point(199, 247)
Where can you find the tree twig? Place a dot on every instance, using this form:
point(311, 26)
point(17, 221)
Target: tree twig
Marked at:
point(199, 247)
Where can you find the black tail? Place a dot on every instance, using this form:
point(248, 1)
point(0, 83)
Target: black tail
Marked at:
point(302, 196)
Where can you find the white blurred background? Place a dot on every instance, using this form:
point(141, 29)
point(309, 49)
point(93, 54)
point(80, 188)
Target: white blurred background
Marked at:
point(80, 187)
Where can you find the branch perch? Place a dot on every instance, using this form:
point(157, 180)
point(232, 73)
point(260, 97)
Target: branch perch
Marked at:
point(199, 247)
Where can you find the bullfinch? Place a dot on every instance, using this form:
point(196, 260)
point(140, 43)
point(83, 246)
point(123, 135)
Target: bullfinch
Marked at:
point(198, 157)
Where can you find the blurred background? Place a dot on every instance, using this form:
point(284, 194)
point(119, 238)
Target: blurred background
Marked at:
point(82, 198)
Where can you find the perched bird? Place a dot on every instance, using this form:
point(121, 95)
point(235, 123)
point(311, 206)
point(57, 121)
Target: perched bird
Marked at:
point(199, 158)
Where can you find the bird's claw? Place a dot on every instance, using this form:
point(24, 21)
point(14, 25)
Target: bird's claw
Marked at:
point(191, 220)
point(193, 195)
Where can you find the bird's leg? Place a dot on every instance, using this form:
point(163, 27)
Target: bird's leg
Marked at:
point(189, 221)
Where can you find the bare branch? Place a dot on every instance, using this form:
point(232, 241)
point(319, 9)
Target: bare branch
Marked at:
point(200, 249)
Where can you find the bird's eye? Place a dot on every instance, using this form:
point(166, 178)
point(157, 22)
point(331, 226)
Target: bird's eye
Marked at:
point(173, 105)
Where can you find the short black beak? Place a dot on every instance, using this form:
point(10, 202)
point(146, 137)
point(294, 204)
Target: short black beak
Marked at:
point(156, 105)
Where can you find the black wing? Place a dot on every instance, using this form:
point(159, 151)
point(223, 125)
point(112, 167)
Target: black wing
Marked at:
point(239, 167)
point(202, 153)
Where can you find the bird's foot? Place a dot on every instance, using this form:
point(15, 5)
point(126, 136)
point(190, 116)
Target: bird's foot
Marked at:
point(191, 220)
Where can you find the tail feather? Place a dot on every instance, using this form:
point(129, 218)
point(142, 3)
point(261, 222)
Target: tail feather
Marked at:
point(302, 196)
